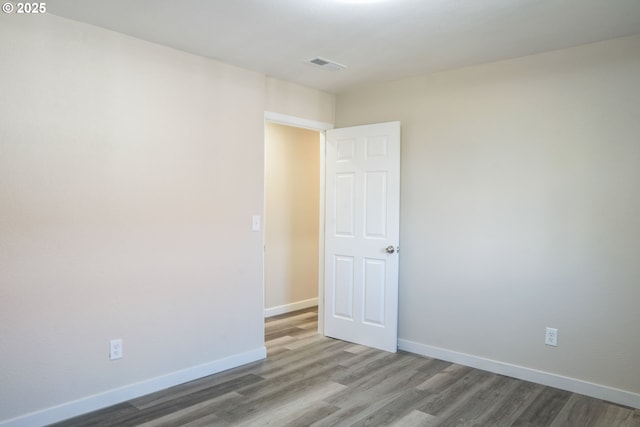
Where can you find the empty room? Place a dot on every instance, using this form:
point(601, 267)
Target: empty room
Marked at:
point(451, 239)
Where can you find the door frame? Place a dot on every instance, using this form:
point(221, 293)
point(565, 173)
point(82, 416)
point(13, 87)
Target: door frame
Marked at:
point(321, 128)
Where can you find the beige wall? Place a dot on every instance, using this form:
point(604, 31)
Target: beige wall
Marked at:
point(292, 205)
point(295, 100)
point(521, 208)
point(129, 173)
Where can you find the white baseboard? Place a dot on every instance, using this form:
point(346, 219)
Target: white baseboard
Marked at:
point(598, 391)
point(288, 308)
point(112, 397)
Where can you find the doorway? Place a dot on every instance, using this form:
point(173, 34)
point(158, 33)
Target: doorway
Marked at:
point(373, 195)
point(292, 218)
point(320, 127)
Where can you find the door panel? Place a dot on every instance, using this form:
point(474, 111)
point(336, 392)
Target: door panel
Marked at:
point(344, 204)
point(374, 287)
point(362, 216)
point(375, 209)
point(343, 287)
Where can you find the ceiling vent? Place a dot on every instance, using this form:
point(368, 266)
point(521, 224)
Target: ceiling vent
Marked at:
point(326, 64)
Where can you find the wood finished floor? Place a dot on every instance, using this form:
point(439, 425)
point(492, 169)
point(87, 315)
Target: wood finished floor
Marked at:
point(309, 380)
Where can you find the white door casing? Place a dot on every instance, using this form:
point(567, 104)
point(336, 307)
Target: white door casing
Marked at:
point(362, 215)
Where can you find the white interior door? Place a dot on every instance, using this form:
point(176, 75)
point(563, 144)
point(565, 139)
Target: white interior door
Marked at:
point(362, 214)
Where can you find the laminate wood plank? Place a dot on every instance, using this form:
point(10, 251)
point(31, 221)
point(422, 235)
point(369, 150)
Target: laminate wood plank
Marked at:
point(194, 412)
point(444, 378)
point(381, 400)
point(415, 418)
point(280, 334)
point(290, 319)
point(129, 418)
point(191, 387)
point(366, 393)
point(329, 356)
point(210, 420)
point(287, 410)
point(309, 325)
point(305, 321)
point(275, 352)
point(356, 410)
point(478, 404)
point(421, 399)
point(312, 413)
point(615, 415)
point(274, 394)
point(367, 366)
point(292, 314)
point(362, 358)
point(579, 411)
point(301, 342)
point(317, 369)
point(506, 412)
point(288, 359)
point(398, 405)
point(304, 333)
point(456, 394)
point(394, 376)
point(279, 342)
point(544, 408)
point(191, 399)
point(356, 348)
point(434, 366)
point(100, 418)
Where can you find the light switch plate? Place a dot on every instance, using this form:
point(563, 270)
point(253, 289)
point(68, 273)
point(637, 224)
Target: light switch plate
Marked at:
point(255, 223)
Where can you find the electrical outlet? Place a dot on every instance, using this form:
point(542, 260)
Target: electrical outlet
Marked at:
point(115, 349)
point(551, 337)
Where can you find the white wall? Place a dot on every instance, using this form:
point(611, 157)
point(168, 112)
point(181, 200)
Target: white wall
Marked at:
point(521, 209)
point(292, 207)
point(129, 173)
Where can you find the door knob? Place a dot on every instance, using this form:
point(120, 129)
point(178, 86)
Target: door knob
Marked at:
point(389, 249)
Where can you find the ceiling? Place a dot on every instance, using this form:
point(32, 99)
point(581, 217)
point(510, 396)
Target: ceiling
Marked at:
point(377, 41)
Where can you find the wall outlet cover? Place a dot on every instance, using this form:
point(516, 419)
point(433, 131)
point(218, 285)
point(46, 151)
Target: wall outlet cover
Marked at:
point(551, 337)
point(115, 349)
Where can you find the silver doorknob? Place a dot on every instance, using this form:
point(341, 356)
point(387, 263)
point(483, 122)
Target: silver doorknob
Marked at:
point(389, 249)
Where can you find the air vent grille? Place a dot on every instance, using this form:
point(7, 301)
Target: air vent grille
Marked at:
point(326, 64)
point(320, 62)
